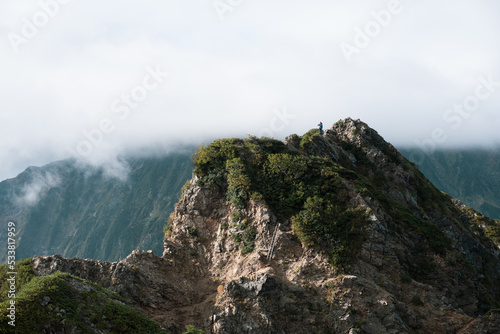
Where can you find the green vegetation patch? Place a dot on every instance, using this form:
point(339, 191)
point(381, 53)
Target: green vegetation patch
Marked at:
point(24, 272)
point(430, 196)
point(484, 226)
point(309, 139)
point(62, 302)
point(184, 188)
point(190, 329)
point(372, 182)
point(417, 301)
point(436, 239)
point(245, 236)
point(248, 238)
point(403, 216)
point(493, 311)
point(307, 190)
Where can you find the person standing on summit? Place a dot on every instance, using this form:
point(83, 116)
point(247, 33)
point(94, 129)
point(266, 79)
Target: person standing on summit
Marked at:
point(320, 128)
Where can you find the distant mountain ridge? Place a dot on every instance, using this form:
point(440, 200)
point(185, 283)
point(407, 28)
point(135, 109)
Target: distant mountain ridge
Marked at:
point(65, 208)
point(473, 176)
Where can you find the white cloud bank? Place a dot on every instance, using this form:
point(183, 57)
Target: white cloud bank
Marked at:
point(82, 77)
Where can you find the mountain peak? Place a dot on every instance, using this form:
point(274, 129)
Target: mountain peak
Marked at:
point(342, 214)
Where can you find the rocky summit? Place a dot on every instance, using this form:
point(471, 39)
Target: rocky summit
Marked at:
point(323, 233)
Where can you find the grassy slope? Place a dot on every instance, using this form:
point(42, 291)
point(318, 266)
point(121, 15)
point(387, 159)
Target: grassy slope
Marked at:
point(62, 302)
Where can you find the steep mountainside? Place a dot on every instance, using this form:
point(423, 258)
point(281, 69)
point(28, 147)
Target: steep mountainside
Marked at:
point(67, 209)
point(336, 233)
point(473, 176)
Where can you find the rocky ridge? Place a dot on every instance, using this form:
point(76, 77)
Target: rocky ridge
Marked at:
point(421, 266)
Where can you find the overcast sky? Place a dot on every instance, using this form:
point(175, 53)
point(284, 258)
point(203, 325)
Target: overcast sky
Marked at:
point(94, 78)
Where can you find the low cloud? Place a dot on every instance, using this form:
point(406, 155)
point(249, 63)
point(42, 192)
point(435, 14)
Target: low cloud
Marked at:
point(40, 184)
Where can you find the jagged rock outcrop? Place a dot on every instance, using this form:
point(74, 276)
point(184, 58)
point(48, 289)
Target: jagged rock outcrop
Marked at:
point(410, 261)
point(164, 290)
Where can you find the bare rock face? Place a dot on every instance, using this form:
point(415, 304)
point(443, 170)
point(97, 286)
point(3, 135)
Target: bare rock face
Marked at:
point(489, 323)
point(297, 291)
point(421, 268)
point(139, 279)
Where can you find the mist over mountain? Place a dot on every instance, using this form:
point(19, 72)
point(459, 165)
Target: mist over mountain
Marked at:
point(334, 232)
point(78, 210)
point(472, 175)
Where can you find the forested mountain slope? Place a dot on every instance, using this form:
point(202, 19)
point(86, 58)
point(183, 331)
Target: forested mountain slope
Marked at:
point(473, 176)
point(74, 210)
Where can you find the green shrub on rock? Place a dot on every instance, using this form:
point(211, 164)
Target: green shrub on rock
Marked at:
point(305, 189)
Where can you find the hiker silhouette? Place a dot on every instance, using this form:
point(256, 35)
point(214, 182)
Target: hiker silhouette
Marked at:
point(320, 128)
